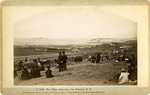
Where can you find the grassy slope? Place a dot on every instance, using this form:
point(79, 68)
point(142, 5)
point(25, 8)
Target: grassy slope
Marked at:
point(85, 73)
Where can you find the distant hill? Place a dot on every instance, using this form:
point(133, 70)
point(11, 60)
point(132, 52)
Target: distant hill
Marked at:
point(110, 40)
point(48, 41)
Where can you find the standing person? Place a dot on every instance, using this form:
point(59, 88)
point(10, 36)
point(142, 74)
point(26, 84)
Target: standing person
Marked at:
point(98, 58)
point(60, 62)
point(64, 57)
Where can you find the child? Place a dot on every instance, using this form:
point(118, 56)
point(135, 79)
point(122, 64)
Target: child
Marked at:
point(49, 73)
point(123, 77)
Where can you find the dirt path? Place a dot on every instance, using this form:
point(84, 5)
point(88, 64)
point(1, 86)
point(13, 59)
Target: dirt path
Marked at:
point(85, 73)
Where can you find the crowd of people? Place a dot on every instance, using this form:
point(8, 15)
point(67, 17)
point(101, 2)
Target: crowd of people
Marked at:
point(31, 72)
point(31, 69)
point(94, 59)
point(98, 57)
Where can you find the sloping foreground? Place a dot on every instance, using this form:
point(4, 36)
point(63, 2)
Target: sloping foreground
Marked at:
point(85, 73)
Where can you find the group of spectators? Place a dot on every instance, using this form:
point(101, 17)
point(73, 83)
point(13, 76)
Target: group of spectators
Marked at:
point(96, 58)
point(33, 73)
point(33, 69)
point(30, 70)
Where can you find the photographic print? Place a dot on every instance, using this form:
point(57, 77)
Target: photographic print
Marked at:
point(75, 46)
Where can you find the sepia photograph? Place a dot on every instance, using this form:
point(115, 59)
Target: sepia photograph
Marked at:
point(75, 46)
point(82, 47)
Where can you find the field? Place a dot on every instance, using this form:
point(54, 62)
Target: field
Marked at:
point(82, 73)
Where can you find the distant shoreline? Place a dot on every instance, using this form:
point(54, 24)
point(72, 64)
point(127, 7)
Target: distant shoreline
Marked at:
point(47, 41)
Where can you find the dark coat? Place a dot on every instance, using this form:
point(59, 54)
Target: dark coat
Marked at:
point(60, 58)
point(25, 74)
point(64, 58)
point(49, 74)
point(132, 74)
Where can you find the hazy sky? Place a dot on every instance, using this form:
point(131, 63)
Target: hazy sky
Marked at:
point(75, 23)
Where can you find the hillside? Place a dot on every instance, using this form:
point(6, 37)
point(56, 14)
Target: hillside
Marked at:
point(85, 73)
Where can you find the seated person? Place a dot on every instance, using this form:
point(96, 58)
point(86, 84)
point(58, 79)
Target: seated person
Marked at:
point(33, 72)
point(42, 68)
point(49, 73)
point(38, 71)
point(25, 73)
point(123, 77)
point(132, 74)
point(20, 65)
